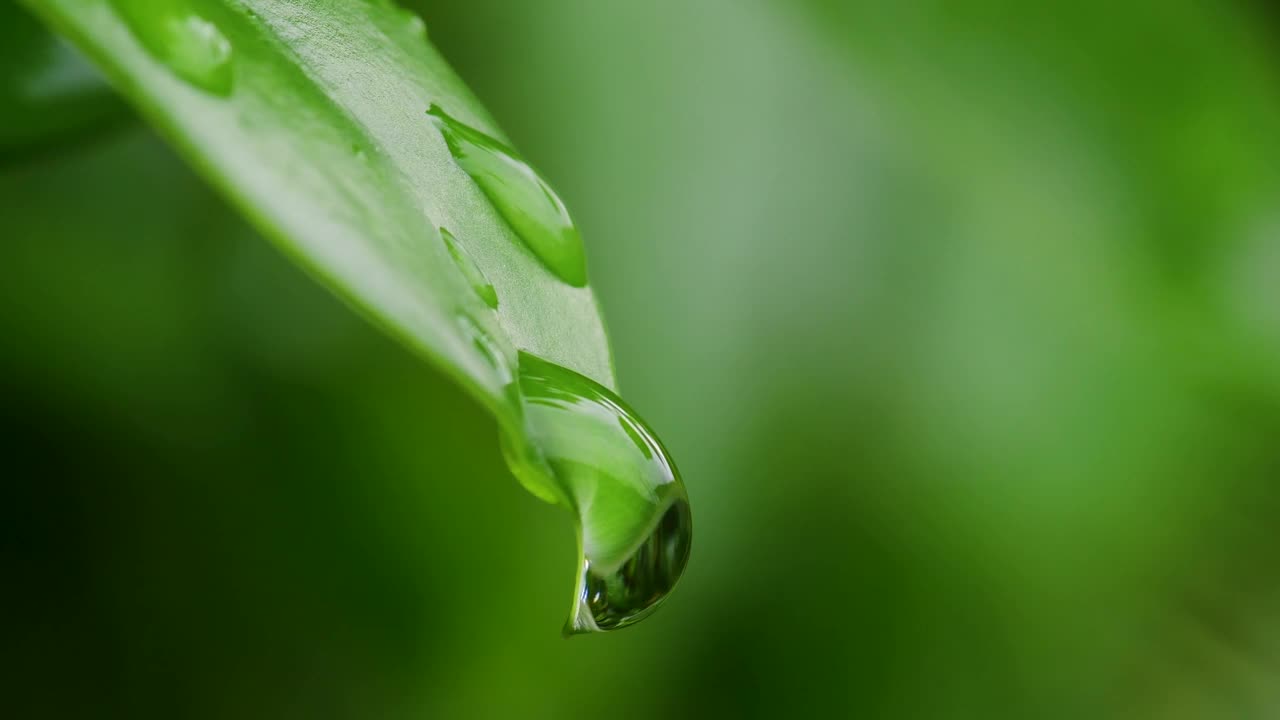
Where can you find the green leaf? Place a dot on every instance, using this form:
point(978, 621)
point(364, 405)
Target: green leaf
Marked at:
point(47, 89)
point(341, 133)
point(311, 118)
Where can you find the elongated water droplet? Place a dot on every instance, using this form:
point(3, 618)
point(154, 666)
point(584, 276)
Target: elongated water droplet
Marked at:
point(524, 199)
point(470, 270)
point(609, 467)
point(181, 38)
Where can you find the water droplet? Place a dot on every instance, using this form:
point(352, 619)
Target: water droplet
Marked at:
point(626, 595)
point(414, 23)
point(176, 35)
point(487, 349)
point(609, 467)
point(470, 270)
point(524, 199)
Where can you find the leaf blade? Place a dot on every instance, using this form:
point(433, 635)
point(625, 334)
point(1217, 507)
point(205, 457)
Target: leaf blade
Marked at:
point(322, 141)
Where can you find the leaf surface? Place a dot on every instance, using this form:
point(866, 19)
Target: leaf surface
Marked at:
point(311, 117)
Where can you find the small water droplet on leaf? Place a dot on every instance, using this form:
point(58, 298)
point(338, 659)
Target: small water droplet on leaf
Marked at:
point(479, 283)
point(414, 23)
point(183, 39)
point(521, 196)
point(488, 351)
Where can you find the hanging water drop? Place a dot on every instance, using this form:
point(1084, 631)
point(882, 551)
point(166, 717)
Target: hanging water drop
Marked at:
point(479, 283)
point(596, 455)
point(177, 35)
point(616, 598)
point(521, 196)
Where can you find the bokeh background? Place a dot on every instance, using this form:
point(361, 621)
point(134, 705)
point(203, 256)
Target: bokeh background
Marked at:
point(962, 321)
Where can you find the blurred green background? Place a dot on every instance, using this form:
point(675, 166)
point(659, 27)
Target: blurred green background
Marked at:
point(962, 321)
